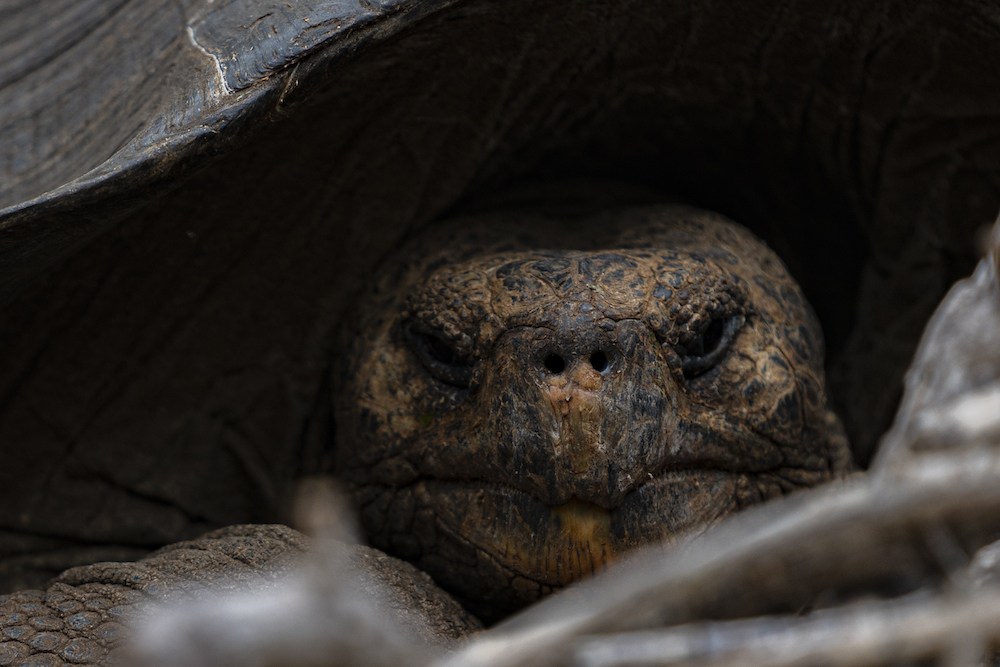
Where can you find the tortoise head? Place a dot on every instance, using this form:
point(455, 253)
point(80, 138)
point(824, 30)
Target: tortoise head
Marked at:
point(513, 414)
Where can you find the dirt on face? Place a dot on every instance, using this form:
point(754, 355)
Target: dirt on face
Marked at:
point(523, 398)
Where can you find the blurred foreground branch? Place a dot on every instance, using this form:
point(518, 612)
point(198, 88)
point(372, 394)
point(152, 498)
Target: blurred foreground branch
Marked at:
point(914, 628)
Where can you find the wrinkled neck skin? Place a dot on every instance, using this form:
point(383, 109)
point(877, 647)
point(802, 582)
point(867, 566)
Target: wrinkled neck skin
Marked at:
point(526, 398)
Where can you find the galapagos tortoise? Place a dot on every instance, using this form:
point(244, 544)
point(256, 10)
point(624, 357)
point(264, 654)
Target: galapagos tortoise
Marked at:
point(193, 192)
point(529, 395)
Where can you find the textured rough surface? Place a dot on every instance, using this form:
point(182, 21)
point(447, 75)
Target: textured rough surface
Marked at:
point(528, 396)
point(108, 96)
point(85, 615)
point(410, 597)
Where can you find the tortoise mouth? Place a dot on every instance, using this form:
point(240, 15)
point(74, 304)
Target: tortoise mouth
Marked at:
point(473, 534)
point(498, 549)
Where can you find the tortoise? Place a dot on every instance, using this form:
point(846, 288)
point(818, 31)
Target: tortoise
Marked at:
point(194, 192)
point(529, 395)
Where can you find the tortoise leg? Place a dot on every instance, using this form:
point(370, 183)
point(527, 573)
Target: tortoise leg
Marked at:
point(84, 616)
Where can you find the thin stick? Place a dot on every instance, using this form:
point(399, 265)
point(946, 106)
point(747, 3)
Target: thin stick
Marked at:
point(915, 628)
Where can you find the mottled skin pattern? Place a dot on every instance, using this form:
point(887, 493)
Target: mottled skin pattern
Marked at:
point(526, 397)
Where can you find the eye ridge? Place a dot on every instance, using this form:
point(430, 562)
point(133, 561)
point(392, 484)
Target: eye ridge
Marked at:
point(709, 347)
point(439, 356)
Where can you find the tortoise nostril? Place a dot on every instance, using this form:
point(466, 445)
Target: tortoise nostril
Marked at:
point(599, 361)
point(555, 363)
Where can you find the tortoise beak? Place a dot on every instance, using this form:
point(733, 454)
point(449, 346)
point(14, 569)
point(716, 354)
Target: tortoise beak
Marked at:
point(584, 544)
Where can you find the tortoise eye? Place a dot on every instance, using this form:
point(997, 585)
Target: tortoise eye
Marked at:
point(708, 348)
point(439, 357)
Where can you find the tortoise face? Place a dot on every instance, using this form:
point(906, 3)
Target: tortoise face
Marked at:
point(510, 419)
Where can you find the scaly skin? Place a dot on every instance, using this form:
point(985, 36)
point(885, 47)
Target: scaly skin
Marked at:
point(526, 397)
point(86, 614)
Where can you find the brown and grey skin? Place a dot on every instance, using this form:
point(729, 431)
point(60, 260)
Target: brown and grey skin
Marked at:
point(86, 614)
point(528, 397)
